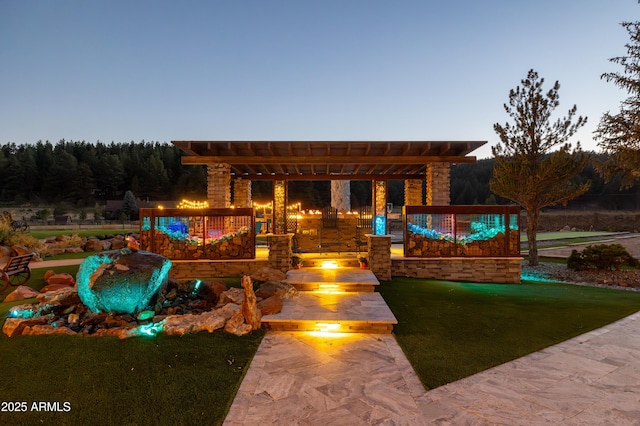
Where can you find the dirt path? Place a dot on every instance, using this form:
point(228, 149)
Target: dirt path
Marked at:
point(630, 241)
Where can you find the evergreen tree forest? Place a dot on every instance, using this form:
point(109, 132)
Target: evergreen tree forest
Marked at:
point(83, 174)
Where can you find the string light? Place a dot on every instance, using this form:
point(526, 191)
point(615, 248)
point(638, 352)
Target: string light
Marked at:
point(186, 204)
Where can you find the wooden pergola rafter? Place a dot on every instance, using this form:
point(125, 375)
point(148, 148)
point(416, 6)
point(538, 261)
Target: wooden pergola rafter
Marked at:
point(329, 160)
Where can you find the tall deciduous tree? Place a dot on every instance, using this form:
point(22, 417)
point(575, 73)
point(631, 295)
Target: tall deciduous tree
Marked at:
point(527, 169)
point(619, 134)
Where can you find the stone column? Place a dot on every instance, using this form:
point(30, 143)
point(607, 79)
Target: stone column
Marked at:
point(242, 193)
point(219, 185)
point(341, 195)
point(379, 207)
point(379, 256)
point(280, 251)
point(413, 192)
point(438, 184)
point(279, 207)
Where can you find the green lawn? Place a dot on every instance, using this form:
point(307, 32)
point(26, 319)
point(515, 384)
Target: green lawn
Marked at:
point(451, 330)
point(542, 236)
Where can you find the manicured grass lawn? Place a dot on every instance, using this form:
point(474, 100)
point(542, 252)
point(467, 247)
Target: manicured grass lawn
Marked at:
point(542, 236)
point(138, 381)
point(451, 330)
point(156, 380)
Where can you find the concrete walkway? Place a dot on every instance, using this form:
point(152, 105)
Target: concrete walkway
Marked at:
point(299, 378)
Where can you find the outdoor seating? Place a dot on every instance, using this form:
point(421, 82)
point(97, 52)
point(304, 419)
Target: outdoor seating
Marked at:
point(16, 271)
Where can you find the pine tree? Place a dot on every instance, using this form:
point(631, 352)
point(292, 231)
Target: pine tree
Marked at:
point(619, 134)
point(527, 171)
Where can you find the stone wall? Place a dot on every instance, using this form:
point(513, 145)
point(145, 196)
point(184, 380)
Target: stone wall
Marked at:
point(219, 185)
point(438, 184)
point(191, 269)
point(422, 246)
point(379, 256)
point(280, 251)
point(413, 192)
point(240, 246)
point(501, 270)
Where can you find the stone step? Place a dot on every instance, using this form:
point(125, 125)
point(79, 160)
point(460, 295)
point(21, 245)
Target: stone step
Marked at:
point(332, 279)
point(341, 312)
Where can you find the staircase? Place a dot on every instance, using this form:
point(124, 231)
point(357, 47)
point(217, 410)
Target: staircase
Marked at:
point(339, 299)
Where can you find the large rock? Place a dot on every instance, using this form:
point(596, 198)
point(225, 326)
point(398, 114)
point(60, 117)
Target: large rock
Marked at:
point(250, 310)
point(236, 325)
point(233, 295)
point(268, 274)
point(66, 296)
point(15, 326)
point(121, 281)
point(270, 306)
point(5, 254)
point(271, 288)
point(20, 293)
point(93, 244)
point(209, 321)
point(60, 279)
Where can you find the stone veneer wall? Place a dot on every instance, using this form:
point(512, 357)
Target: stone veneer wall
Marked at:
point(242, 193)
point(191, 269)
point(413, 192)
point(379, 256)
point(501, 270)
point(438, 184)
point(219, 185)
point(311, 234)
point(280, 251)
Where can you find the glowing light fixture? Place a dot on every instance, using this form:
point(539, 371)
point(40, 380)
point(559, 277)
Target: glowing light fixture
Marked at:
point(186, 204)
point(329, 264)
point(327, 327)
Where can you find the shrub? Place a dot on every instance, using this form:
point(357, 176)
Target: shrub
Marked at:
point(603, 257)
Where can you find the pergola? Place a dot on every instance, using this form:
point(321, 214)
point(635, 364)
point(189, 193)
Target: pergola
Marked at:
point(415, 162)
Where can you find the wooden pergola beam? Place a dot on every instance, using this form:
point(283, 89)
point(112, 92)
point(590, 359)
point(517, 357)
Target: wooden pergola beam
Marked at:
point(325, 160)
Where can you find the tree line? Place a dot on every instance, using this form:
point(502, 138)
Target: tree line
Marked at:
point(82, 174)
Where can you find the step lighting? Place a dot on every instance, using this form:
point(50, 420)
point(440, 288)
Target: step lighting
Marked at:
point(327, 327)
point(329, 264)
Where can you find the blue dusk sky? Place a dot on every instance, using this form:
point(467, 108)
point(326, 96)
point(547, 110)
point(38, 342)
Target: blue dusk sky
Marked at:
point(297, 70)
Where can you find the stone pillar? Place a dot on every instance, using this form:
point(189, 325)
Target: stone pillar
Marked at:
point(379, 207)
point(413, 192)
point(438, 184)
point(219, 185)
point(341, 195)
point(379, 256)
point(279, 207)
point(242, 193)
point(280, 251)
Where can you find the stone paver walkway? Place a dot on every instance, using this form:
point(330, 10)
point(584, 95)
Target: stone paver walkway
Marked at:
point(360, 379)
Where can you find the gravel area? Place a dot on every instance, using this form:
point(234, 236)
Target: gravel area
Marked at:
point(622, 280)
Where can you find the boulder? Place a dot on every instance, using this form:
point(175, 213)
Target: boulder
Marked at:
point(236, 325)
point(15, 326)
point(272, 288)
point(65, 296)
point(191, 323)
point(268, 274)
point(20, 293)
point(233, 295)
point(121, 281)
point(21, 250)
point(250, 310)
point(5, 254)
point(60, 279)
point(39, 329)
point(270, 306)
point(73, 250)
point(93, 244)
point(216, 286)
